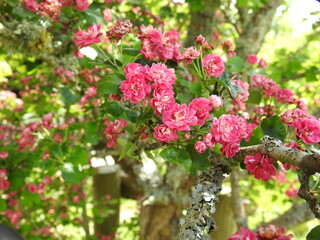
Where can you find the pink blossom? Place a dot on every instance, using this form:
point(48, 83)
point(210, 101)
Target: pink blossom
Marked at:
point(165, 133)
point(4, 155)
point(113, 130)
point(241, 97)
point(292, 192)
point(76, 199)
point(3, 173)
point(160, 74)
point(31, 5)
point(117, 31)
point(200, 147)
point(216, 101)
point(47, 180)
point(243, 234)
point(190, 54)
point(134, 68)
point(200, 40)
point(32, 188)
point(135, 88)
point(86, 38)
point(179, 117)
point(252, 59)
point(91, 92)
point(82, 5)
point(308, 130)
point(4, 184)
point(209, 140)
point(260, 166)
point(289, 116)
point(202, 107)
point(47, 121)
point(163, 98)
point(262, 63)
point(57, 137)
point(271, 232)
point(107, 15)
point(230, 149)
point(284, 95)
point(212, 65)
point(45, 156)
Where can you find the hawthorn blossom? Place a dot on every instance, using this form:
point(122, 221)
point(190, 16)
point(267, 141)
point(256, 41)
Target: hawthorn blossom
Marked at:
point(284, 95)
point(82, 5)
point(272, 232)
point(107, 15)
point(86, 38)
point(262, 63)
point(113, 130)
point(179, 117)
point(308, 130)
point(117, 31)
point(163, 98)
point(202, 107)
point(200, 40)
point(216, 101)
point(212, 65)
point(289, 116)
point(209, 140)
point(241, 97)
point(164, 133)
point(31, 5)
point(159, 73)
point(260, 166)
point(4, 155)
point(252, 59)
point(190, 53)
point(200, 147)
point(243, 234)
point(230, 149)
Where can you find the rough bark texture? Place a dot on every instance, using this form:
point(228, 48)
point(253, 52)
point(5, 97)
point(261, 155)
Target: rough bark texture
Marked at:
point(202, 22)
point(198, 220)
point(298, 213)
point(254, 28)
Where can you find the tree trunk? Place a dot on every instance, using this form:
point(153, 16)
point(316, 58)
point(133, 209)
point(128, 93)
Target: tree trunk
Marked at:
point(107, 182)
point(202, 21)
point(254, 27)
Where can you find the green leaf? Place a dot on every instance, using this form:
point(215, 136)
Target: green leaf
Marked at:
point(257, 134)
point(274, 127)
point(68, 96)
point(200, 161)
point(127, 150)
point(3, 205)
point(255, 97)
point(131, 51)
point(178, 156)
point(225, 80)
point(29, 199)
point(236, 64)
point(114, 108)
point(132, 115)
point(110, 84)
point(91, 133)
point(79, 156)
point(71, 174)
point(314, 234)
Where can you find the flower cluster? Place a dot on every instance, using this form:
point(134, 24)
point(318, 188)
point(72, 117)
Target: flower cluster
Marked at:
point(241, 97)
point(228, 131)
point(113, 130)
point(253, 59)
point(10, 101)
point(86, 38)
point(307, 126)
point(157, 45)
point(117, 31)
point(260, 166)
point(269, 232)
point(212, 65)
point(4, 183)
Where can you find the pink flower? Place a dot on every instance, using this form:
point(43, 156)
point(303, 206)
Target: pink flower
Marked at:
point(200, 147)
point(4, 184)
point(86, 38)
point(31, 5)
point(292, 192)
point(76, 199)
point(4, 155)
point(216, 101)
point(262, 63)
point(32, 188)
point(289, 116)
point(82, 5)
point(243, 234)
point(47, 121)
point(230, 149)
point(284, 95)
point(134, 68)
point(163, 98)
point(113, 130)
point(212, 65)
point(209, 140)
point(160, 74)
point(202, 107)
point(260, 166)
point(3, 173)
point(308, 130)
point(57, 137)
point(190, 54)
point(271, 232)
point(135, 88)
point(252, 59)
point(165, 133)
point(117, 31)
point(241, 97)
point(91, 92)
point(107, 15)
point(179, 117)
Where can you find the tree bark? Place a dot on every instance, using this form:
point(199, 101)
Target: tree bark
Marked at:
point(202, 22)
point(254, 27)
